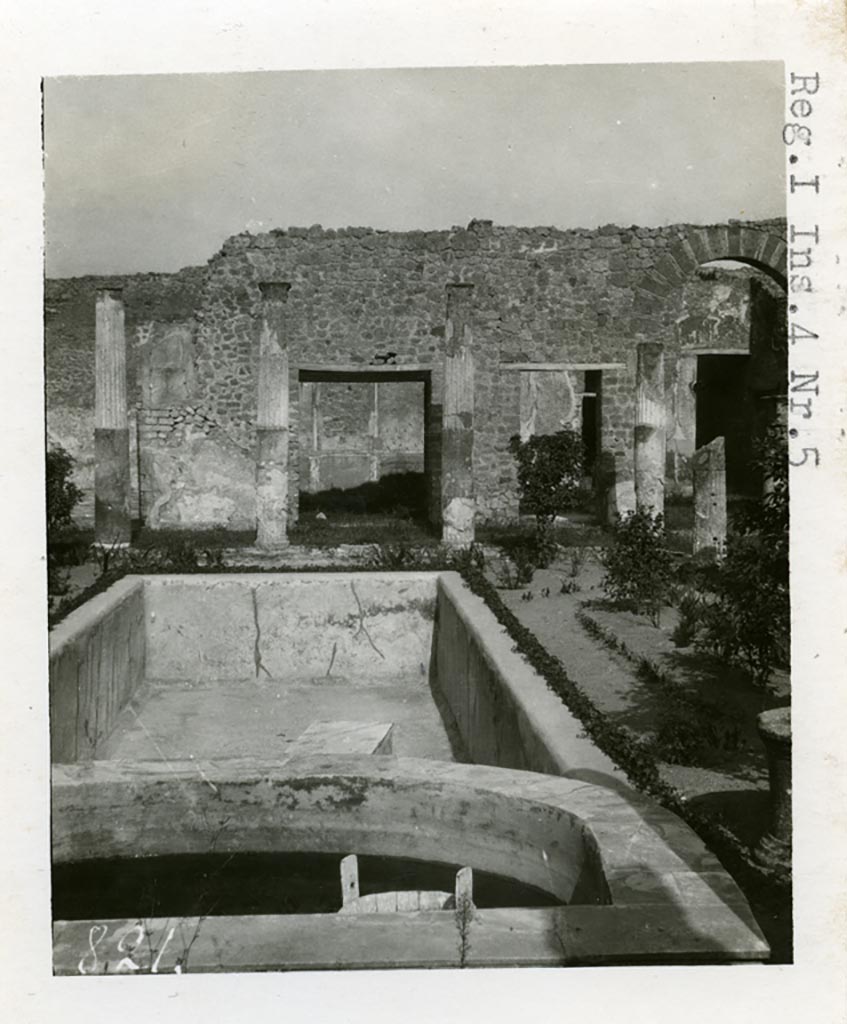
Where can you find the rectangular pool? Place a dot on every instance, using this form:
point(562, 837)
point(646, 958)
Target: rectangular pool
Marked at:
point(238, 665)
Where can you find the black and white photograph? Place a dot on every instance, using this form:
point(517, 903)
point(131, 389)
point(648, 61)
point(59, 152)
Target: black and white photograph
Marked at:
point(424, 453)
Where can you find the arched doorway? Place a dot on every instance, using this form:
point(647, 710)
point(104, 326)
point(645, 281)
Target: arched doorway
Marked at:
point(739, 356)
point(729, 368)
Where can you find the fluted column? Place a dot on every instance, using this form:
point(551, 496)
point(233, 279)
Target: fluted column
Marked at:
point(650, 419)
point(458, 506)
point(272, 419)
point(112, 524)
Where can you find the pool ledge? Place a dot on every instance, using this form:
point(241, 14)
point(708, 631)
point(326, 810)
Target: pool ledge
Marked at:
point(642, 887)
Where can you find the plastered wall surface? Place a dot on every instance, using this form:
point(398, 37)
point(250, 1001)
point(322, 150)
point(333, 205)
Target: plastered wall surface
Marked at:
point(97, 662)
point(262, 627)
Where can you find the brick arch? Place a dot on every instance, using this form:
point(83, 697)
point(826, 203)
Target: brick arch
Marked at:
point(758, 247)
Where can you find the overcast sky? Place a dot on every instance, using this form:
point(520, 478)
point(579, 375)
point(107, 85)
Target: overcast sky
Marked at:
point(154, 172)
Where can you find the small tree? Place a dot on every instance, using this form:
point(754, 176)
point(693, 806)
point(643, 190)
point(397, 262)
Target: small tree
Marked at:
point(749, 623)
point(638, 564)
point(63, 495)
point(550, 468)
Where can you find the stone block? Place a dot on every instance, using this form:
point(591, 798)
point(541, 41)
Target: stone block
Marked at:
point(700, 244)
point(669, 269)
point(769, 248)
point(343, 738)
point(684, 256)
point(655, 284)
point(719, 242)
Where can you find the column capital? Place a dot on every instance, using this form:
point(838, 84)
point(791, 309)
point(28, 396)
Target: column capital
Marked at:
point(649, 355)
point(109, 290)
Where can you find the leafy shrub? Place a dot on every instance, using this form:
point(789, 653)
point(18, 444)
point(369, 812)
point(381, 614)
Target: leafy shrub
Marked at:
point(749, 622)
point(506, 575)
point(470, 559)
point(173, 554)
point(392, 557)
point(63, 495)
point(693, 609)
point(72, 547)
point(517, 565)
point(525, 559)
point(577, 557)
point(523, 556)
point(214, 557)
point(678, 739)
point(688, 734)
point(550, 470)
point(180, 555)
point(638, 564)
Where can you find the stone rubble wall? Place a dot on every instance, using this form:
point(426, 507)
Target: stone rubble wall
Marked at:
point(361, 298)
point(69, 304)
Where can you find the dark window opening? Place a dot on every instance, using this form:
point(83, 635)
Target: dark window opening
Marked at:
point(591, 419)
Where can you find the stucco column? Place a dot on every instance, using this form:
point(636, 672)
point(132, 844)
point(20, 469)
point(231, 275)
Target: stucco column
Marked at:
point(112, 524)
point(617, 488)
point(708, 467)
point(457, 485)
point(683, 426)
point(650, 418)
point(272, 419)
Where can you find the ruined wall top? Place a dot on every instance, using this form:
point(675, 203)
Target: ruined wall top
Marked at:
point(480, 234)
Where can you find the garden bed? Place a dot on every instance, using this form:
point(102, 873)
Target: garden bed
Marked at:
point(704, 733)
point(625, 699)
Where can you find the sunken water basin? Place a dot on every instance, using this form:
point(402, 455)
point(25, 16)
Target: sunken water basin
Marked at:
point(212, 728)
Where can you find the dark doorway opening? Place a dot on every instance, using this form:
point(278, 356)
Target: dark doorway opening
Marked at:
point(592, 419)
point(726, 408)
